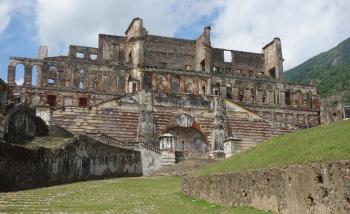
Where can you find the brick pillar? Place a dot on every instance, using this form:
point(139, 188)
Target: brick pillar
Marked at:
point(11, 75)
point(182, 84)
point(208, 88)
point(196, 86)
point(27, 75)
point(168, 85)
point(154, 83)
point(44, 78)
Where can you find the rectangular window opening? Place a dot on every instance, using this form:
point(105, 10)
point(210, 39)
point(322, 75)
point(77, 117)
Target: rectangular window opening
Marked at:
point(229, 92)
point(79, 55)
point(83, 101)
point(93, 56)
point(51, 100)
point(227, 56)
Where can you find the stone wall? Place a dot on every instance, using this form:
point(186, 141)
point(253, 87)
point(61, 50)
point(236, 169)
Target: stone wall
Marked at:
point(321, 188)
point(168, 52)
point(81, 159)
point(151, 161)
point(21, 123)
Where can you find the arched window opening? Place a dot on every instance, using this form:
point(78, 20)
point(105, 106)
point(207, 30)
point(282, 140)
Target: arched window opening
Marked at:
point(241, 95)
point(203, 89)
point(147, 82)
point(189, 86)
point(51, 82)
point(129, 58)
point(264, 96)
point(19, 74)
point(229, 92)
point(252, 94)
point(287, 97)
point(202, 65)
point(81, 85)
point(53, 69)
point(175, 85)
point(132, 86)
point(272, 72)
point(309, 101)
point(216, 89)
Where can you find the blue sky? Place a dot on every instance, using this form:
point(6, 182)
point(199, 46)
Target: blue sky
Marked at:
point(17, 39)
point(306, 28)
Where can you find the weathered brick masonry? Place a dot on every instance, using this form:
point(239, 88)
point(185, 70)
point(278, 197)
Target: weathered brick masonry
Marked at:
point(140, 87)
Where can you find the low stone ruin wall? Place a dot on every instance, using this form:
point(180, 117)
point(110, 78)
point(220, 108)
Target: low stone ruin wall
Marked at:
point(21, 124)
point(82, 159)
point(322, 188)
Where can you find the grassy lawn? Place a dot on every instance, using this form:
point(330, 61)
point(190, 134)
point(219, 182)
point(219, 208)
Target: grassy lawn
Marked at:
point(324, 143)
point(124, 195)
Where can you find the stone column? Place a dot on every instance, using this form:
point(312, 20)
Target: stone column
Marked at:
point(182, 85)
point(154, 83)
point(208, 88)
point(11, 75)
point(147, 127)
point(219, 128)
point(27, 75)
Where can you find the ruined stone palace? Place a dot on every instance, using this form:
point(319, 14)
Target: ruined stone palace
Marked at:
point(182, 96)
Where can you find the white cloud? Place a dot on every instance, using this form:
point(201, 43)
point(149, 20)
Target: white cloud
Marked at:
point(306, 28)
point(9, 7)
point(19, 81)
point(4, 16)
point(64, 22)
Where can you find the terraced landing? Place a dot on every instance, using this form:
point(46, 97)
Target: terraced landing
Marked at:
point(125, 195)
point(183, 168)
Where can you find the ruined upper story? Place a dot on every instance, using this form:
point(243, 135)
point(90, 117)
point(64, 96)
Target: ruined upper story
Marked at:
point(140, 61)
point(138, 49)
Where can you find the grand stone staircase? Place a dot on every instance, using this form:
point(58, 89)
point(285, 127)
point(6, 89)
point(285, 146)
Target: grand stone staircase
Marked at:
point(103, 138)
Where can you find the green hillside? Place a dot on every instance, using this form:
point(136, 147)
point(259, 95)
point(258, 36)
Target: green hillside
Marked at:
point(330, 71)
point(323, 143)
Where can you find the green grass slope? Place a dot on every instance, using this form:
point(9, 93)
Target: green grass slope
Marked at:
point(329, 70)
point(121, 195)
point(323, 143)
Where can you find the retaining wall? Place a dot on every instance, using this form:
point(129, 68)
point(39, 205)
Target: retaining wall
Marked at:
point(82, 159)
point(322, 188)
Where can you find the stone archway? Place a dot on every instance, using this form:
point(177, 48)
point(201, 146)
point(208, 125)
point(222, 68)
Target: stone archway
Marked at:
point(189, 143)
